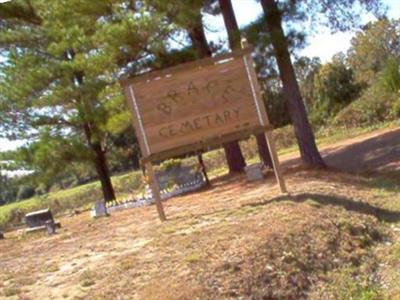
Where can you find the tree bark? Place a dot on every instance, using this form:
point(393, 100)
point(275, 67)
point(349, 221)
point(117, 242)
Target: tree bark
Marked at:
point(233, 154)
point(203, 168)
point(100, 163)
point(198, 38)
point(230, 22)
point(99, 158)
point(233, 31)
point(304, 134)
point(103, 173)
point(263, 151)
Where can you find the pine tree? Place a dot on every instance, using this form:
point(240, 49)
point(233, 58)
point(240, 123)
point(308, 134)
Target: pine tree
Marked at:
point(64, 59)
point(234, 43)
point(341, 15)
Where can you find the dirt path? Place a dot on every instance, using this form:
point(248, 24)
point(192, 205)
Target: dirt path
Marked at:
point(377, 151)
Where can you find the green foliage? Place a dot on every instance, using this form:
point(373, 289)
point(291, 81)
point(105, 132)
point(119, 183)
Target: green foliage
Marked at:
point(345, 285)
point(25, 191)
point(170, 164)
point(334, 89)
point(8, 189)
point(371, 48)
point(374, 106)
point(61, 79)
point(390, 76)
point(62, 201)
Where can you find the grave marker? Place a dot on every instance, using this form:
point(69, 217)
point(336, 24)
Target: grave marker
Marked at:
point(38, 218)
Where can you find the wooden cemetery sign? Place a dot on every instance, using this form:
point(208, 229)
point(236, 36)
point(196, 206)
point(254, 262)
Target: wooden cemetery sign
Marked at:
point(197, 105)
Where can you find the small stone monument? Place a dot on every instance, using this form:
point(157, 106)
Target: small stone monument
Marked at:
point(254, 172)
point(38, 218)
point(99, 210)
point(51, 227)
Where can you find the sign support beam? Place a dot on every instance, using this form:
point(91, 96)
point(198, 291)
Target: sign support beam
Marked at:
point(275, 161)
point(155, 189)
point(249, 64)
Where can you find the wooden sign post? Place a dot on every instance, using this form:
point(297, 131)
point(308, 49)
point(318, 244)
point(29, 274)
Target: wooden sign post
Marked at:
point(197, 106)
point(268, 132)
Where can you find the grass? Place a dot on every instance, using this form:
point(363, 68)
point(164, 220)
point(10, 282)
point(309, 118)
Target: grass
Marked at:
point(11, 291)
point(50, 268)
point(193, 257)
point(82, 197)
point(246, 242)
point(87, 278)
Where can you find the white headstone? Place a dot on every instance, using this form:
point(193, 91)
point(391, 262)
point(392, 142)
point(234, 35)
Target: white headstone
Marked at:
point(99, 210)
point(254, 172)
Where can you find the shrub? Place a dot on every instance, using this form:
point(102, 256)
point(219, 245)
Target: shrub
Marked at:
point(170, 164)
point(25, 191)
point(374, 106)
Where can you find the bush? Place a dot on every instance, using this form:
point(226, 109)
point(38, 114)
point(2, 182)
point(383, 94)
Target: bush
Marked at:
point(170, 164)
point(25, 191)
point(41, 189)
point(374, 106)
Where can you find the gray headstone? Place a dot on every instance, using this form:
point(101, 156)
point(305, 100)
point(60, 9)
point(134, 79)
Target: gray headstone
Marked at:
point(99, 210)
point(38, 218)
point(51, 227)
point(254, 172)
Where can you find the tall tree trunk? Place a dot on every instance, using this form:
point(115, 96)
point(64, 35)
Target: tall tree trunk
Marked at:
point(103, 173)
point(99, 159)
point(100, 162)
point(233, 31)
point(304, 134)
point(233, 154)
point(263, 151)
point(198, 38)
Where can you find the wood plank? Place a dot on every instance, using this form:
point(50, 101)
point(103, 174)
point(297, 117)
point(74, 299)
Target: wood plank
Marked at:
point(136, 124)
point(205, 145)
point(185, 66)
point(155, 189)
point(275, 161)
point(249, 64)
point(194, 105)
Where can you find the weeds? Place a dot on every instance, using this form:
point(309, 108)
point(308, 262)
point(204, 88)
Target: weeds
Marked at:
point(87, 278)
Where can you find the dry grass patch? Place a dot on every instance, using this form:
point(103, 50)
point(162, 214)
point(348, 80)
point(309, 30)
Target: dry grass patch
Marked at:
point(235, 240)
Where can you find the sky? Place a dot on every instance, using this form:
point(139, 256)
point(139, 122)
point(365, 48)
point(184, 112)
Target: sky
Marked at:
point(322, 43)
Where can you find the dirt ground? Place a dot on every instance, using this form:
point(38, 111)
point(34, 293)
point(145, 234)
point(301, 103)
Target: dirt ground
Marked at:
point(236, 240)
point(378, 151)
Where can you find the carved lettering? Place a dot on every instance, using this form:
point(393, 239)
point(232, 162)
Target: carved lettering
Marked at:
point(192, 89)
point(227, 115)
point(228, 93)
point(211, 86)
point(165, 108)
point(200, 123)
point(219, 119)
point(174, 96)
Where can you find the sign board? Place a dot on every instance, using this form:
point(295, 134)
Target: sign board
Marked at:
point(194, 105)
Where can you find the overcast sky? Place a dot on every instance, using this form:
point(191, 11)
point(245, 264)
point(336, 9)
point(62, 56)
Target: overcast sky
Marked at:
point(322, 43)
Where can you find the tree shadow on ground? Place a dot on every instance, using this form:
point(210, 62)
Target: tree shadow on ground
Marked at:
point(379, 153)
point(373, 153)
point(346, 203)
